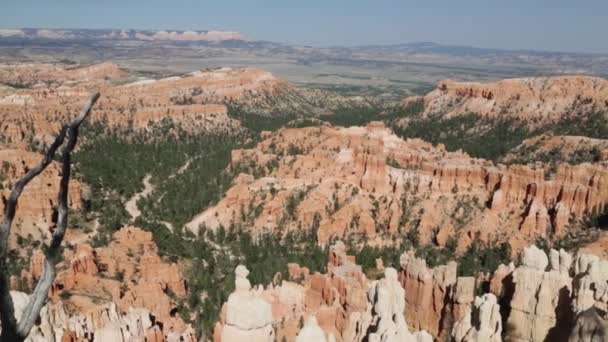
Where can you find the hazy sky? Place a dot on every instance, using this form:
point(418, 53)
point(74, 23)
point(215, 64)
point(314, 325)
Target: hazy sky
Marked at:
point(574, 25)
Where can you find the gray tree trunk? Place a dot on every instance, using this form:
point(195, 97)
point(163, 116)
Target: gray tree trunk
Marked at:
point(11, 329)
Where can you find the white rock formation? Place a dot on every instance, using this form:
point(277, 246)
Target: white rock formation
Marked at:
point(540, 307)
point(311, 331)
point(591, 287)
point(248, 317)
point(388, 305)
point(482, 324)
point(107, 325)
point(534, 258)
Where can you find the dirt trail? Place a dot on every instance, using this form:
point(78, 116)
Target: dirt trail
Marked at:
point(131, 205)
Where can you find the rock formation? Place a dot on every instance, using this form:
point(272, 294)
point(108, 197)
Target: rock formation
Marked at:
point(311, 331)
point(590, 327)
point(482, 323)
point(107, 324)
point(388, 305)
point(428, 294)
point(540, 307)
point(540, 98)
point(366, 181)
point(341, 306)
point(119, 292)
point(37, 210)
point(45, 95)
point(248, 317)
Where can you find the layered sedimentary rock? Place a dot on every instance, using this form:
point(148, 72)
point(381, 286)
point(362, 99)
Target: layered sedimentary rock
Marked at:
point(39, 98)
point(196, 101)
point(428, 294)
point(539, 99)
point(119, 292)
point(366, 181)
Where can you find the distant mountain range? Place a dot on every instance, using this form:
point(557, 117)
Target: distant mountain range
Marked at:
point(70, 34)
point(220, 35)
point(413, 68)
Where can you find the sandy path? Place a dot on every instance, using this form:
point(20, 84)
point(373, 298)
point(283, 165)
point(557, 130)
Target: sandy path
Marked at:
point(131, 205)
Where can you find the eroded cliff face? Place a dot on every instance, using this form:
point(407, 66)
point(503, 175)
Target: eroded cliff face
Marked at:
point(195, 102)
point(36, 212)
point(536, 100)
point(44, 96)
point(555, 297)
point(365, 181)
point(121, 292)
point(342, 305)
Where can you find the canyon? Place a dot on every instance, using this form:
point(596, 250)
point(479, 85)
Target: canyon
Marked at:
point(412, 240)
point(366, 182)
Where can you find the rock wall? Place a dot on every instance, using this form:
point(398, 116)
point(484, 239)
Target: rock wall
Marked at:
point(429, 294)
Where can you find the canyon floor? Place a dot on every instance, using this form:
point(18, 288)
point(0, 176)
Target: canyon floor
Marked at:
point(229, 204)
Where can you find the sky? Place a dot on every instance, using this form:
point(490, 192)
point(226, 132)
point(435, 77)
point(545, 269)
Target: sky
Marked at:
point(552, 25)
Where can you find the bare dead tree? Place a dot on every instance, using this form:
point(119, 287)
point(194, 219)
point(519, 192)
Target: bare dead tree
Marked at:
point(11, 329)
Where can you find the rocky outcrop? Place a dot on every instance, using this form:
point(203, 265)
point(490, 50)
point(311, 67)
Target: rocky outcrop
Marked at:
point(591, 283)
point(429, 294)
point(107, 323)
point(482, 323)
point(538, 99)
point(46, 95)
point(121, 292)
point(195, 102)
point(591, 326)
point(388, 305)
point(545, 298)
point(36, 214)
point(248, 317)
point(341, 306)
point(366, 181)
point(540, 307)
point(311, 331)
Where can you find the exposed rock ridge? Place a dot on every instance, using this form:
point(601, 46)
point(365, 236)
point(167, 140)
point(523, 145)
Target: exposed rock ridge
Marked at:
point(367, 181)
point(539, 98)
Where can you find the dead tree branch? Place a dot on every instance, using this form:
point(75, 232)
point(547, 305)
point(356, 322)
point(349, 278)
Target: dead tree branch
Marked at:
point(11, 329)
